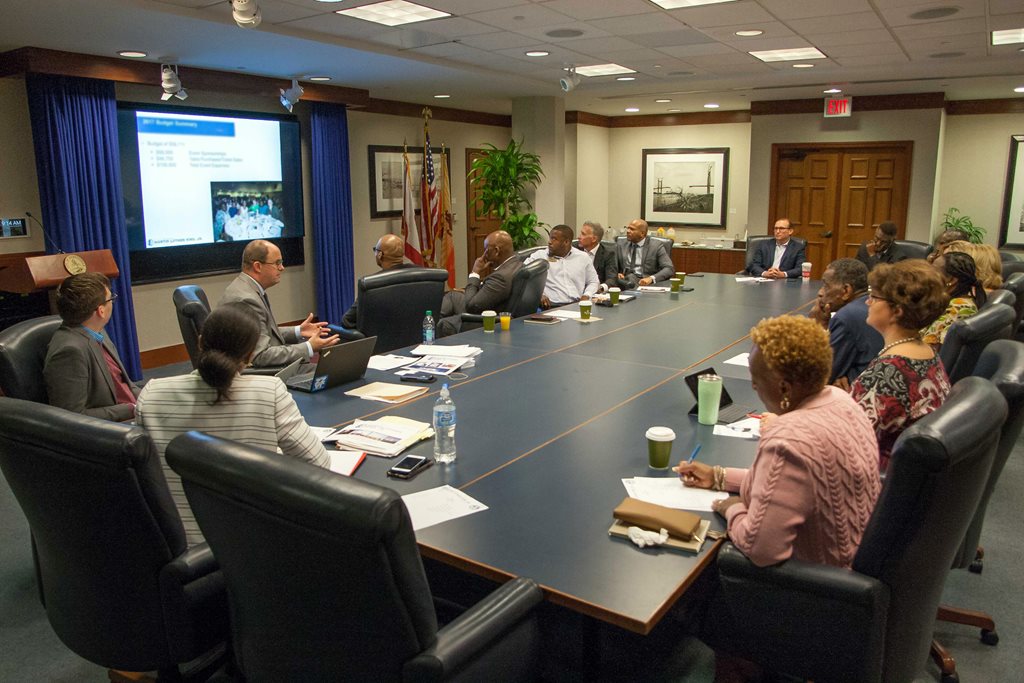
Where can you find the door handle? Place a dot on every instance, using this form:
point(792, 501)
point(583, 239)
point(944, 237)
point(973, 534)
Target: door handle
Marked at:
point(826, 234)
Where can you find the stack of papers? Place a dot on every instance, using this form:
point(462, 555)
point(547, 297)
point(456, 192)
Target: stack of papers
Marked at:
point(435, 365)
point(670, 492)
point(386, 393)
point(570, 315)
point(387, 436)
point(650, 288)
point(388, 361)
point(346, 462)
point(460, 351)
point(754, 279)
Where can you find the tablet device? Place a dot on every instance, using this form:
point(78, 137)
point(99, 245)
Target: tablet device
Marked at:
point(728, 412)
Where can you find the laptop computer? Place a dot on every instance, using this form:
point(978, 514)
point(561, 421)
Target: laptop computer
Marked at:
point(728, 412)
point(337, 365)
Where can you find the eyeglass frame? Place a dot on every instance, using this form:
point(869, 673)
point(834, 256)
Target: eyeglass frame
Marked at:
point(112, 299)
point(872, 297)
point(279, 263)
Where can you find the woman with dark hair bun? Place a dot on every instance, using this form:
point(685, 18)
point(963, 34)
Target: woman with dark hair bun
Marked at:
point(256, 410)
point(966, 294)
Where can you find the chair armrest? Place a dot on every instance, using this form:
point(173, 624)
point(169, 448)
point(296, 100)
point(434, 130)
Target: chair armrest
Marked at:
point(345, 333)
point(195, 601)
point(804, 619)
point(482, 627)
point(472, 318)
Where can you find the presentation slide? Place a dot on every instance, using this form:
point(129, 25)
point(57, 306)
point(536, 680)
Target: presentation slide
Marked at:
point(209, 179)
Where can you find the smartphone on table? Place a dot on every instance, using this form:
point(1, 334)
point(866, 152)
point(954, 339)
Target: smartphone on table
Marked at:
point(409, 466)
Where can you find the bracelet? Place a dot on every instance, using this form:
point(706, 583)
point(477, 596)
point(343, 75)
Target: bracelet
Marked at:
point(718, 478)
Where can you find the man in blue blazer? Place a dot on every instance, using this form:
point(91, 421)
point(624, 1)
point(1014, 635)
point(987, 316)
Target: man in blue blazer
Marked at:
point(781, 258)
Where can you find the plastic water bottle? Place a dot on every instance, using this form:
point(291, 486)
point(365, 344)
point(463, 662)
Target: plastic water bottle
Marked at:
point(444, 427)
point(428, 328)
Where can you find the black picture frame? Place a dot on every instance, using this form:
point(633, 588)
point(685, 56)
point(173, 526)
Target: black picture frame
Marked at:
point(670, 203)
point(386, 170)
point(1011, 233)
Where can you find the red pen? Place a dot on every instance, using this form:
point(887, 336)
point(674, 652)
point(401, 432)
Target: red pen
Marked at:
point(756, 416)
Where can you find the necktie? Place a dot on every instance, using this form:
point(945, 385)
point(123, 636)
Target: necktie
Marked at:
point(632, 256)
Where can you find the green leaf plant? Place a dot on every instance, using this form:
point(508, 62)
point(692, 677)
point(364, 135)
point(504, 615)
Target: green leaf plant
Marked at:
point(502, 177)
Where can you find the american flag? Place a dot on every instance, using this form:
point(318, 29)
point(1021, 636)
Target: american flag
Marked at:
point(430, 206)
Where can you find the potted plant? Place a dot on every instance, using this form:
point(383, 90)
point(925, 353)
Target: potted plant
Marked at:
point(503, 176)
point(954, 220)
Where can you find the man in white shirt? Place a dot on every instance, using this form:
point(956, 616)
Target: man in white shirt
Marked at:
point(571, 274)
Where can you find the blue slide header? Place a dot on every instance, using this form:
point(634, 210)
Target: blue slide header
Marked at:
point(153, 124)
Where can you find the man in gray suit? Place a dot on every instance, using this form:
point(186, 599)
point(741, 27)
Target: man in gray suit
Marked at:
point(604, 258)
point(83, 372)
point(642, 261)
point(489, 286)
point(262, 266)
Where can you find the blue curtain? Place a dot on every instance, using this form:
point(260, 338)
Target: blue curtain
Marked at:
point(332, 211)
point(74, 129)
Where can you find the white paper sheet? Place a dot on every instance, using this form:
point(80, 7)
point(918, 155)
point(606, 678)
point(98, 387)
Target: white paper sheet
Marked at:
point(670, 492)
point(461, 351)
point(322, 432)
point(433, 506)
point(651, 288)
point(747, 428)
point(345, 462)
point(742, 360)
point(388, 361)
point(565, 314)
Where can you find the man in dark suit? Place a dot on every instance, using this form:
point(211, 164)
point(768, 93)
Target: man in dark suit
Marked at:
point(605, 260)
point(882, 249)
point(389, 253)
point(83, 372)
point(262, 266)
point(781, 258)
point(641, 260)
point(842, 309)
point(489, 286)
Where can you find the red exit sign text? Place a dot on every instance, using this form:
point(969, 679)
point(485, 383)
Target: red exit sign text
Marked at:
point(838, 106)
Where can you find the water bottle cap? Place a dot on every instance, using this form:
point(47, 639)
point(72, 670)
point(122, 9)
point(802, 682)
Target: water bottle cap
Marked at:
point(429, 312)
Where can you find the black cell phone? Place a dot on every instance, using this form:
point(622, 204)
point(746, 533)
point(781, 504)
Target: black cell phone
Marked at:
point(686, 289)
point(421, 377)
point(409, 466)
point(695, 275)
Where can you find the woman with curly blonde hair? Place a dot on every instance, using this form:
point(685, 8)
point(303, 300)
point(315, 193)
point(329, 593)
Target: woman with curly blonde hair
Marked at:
point(814, 482)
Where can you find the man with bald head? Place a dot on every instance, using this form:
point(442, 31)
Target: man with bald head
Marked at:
point(489, 286)
point(262, 266)
point(390, 255)
point(642, 261)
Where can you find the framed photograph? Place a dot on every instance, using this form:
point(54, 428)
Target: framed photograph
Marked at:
point(13, 227)
point(685, 187)
point(386, 171)
point(1012, 233)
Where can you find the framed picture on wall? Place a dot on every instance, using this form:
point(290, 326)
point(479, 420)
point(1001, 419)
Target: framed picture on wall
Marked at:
point(685, 187)
point(13, 227)
point(1012, 233)
point(386, 176)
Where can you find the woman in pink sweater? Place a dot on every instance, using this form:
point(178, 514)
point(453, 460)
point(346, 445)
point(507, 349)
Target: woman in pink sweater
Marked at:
point(814, 481)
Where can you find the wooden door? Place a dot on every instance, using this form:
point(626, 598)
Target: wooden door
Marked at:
point(836, 194)
point(478, 224)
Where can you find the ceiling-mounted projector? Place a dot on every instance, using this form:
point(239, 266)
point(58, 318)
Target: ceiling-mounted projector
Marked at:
point(569, 82)
point(246, 13)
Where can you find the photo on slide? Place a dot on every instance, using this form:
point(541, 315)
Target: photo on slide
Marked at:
point(247, 210)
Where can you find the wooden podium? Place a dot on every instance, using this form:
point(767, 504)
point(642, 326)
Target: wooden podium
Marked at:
point(38, 273)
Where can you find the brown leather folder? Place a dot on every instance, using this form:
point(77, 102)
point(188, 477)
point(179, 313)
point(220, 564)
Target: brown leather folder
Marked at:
point(678, 523)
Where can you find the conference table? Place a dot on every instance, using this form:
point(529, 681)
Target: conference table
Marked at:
point(553, 417)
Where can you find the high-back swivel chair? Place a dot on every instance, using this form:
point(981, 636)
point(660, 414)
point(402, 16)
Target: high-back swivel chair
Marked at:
point(22, 356)
point(914, 249)
point(392, 305)
point(967, 338)
point(192, 307)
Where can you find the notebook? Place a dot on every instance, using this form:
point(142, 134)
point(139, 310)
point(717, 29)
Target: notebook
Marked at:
point(728, 412)
point(337, 365)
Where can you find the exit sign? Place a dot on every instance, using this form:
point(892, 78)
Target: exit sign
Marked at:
point(838, 106)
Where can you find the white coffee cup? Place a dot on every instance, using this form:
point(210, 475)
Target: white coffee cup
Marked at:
point(805, 270)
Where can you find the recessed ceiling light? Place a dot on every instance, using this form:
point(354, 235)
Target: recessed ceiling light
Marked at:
point(537, 53)
point(803, 66)
point(832, 91)
point(676, 4)
point(788, 55)
point(632, 110)
point(626, 78)
point(673, 111)
point(1008, 37)
point(603, 70)
point(749, 33)
point(711, 105)
point(134, 54)
point(319, 78)
point(662, 101)
point(441, 97)
point(393, 13)
point(1020, 89)
point(329, 0)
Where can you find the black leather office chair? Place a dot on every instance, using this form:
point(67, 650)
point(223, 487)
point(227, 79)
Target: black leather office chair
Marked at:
point(1002, 363)
point(22, 356)
point(1008, 256)
point(527, 288)
point(121, 589)
point(326, 581)
point(914, 249)
point(874, 623)
point(524, 254)
point(1015, 283)
point(1000, 296)
point(1009, 267)
point(753, 245)
point(392, 305)
point(968, 337)
point(192, 308)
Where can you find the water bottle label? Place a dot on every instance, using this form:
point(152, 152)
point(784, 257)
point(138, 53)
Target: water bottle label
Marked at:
point(444, 419)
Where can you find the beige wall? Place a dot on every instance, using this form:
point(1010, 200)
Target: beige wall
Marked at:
point(590, 182)
point(19, 191)
point(922, 126)
point(624, 171)
point(973, 179)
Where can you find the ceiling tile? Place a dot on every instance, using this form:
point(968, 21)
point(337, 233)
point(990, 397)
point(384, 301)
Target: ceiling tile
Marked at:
point(604, 46)
point(1006, 21)
point(837, 52)
point(802, 9)
point(520, 17)
point(824, 41)
point(500, 40)
point(589, 9)
point(687, 51)
point(946, 43)
point(651, 22)
point(559, 55)
point(844, 22)
point(541, 32)
point(772, 29)
point(899, 15)
point(939, 29)
point(630, 58)
point(711, 61)
point(664, 39)
point(277, 13)
point(722, 15)
point(337, 25)
point(453, 27)
point(873, 60)
point(997, 7)
point(465, 7)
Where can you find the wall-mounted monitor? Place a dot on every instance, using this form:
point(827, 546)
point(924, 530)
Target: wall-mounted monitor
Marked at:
point(199, 184)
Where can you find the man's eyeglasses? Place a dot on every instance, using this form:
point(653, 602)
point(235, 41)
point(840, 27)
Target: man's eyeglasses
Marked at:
point(376, 249)
point(782, 227)
point(279, 263)
point(113, 297)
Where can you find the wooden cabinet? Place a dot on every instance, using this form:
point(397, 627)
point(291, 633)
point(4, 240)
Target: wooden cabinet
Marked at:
point(703, 260)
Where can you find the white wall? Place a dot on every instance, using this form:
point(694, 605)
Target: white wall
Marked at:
point(591, 181)
point(922, 126)
point(973, 179)
point(19, 191)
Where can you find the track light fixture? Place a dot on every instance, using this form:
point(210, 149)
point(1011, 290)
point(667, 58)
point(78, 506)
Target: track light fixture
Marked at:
point(292, 95)
point(246, 13)
point(569, 82)
point(171, 83)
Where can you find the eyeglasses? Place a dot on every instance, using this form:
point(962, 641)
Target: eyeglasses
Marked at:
point(779, 227)
point(113, 297)
point(279, 263)
point(376, 249)
point(875, 297)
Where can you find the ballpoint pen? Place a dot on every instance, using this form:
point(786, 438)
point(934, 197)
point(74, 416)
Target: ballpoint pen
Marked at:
point(693, 455)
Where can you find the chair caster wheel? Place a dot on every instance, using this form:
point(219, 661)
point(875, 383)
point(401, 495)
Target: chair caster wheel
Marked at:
point(950, 678)
point(989, 637)
point(976, 567)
